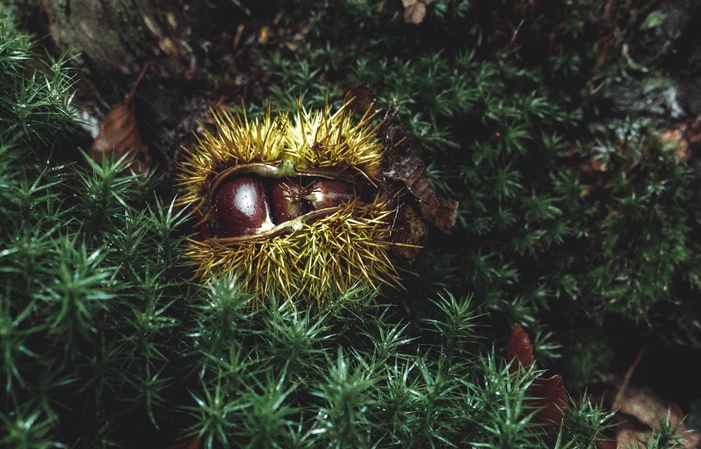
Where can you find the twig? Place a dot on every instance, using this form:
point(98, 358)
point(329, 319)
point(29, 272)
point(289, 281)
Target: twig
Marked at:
point(626, 379)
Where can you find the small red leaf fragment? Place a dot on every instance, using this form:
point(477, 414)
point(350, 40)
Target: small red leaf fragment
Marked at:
point(119, 135)
point(189, 443)
point(551, 399)
point(519, 348)
point(549, 395)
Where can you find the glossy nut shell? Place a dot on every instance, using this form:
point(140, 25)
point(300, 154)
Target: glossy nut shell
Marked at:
point(287, 201)
point(324, 193)
point(242, 208)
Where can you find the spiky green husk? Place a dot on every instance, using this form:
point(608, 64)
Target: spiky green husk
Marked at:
point(328, 256)
point(311, 259)
point(315, 139)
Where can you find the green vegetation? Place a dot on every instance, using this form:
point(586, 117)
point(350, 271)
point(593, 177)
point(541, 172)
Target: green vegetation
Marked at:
point(569, 214)
point(568, 217)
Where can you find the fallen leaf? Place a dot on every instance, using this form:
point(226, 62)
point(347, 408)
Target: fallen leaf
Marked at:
point(188, 443)
point(550, 398)
point(404, 172)
point(361, 99)
point(119, 135)
point(642, 411)
point(519, 349)
point(401, 162)
point(415, 10)
point(410, 231)
point(549, 395)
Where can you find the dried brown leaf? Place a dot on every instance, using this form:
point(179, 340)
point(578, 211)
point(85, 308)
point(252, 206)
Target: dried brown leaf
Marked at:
point(551, 401)
point(119, 135)
point(401, 162)
point(646, 409)
point(405, 177)
point(360, 99)
point(410, 231)
point(415, 10)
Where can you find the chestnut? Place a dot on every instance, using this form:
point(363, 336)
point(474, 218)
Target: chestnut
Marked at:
point(288, 204)
point(324, 193)
point(242, 207)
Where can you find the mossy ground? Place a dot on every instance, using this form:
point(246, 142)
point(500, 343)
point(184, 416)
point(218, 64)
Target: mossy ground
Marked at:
point(576, 220)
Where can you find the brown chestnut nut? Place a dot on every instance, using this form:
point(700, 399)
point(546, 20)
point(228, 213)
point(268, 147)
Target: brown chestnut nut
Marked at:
point(242, 208)
point(288, 204)
point(324, 193)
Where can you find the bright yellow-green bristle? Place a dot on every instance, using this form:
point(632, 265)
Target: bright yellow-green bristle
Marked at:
point(348, 247)
point(238, 140)
point(322, 139)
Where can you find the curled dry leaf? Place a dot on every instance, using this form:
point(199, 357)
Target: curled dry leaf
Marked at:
point(415, 10)
point(417, 204)
point(401, 162)
point(410, 229)
point(550, 397)
point(119, 135)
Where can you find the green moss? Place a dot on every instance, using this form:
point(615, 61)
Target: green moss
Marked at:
point(589, 353)
point(513, 125)
point(105, 342)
